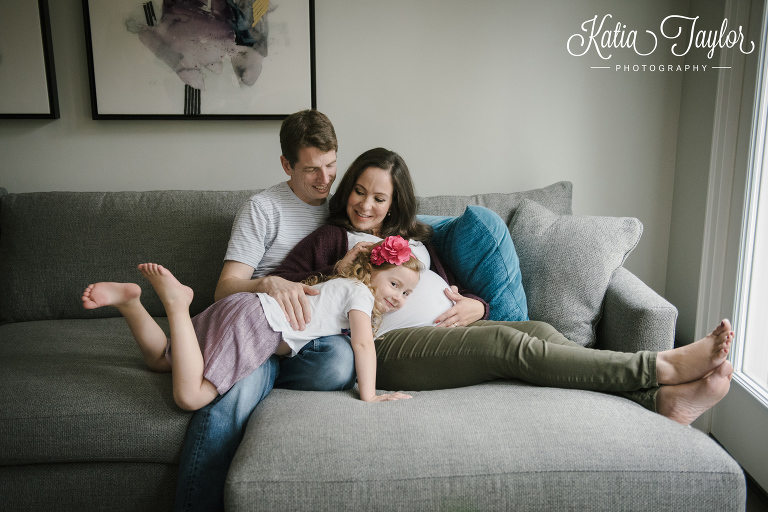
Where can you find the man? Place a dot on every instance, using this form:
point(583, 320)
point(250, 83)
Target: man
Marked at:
point(265, 230)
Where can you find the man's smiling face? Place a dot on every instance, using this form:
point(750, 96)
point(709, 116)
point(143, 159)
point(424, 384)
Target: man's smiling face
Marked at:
point(312, 175)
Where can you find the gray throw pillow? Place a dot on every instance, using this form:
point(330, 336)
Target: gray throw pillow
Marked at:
point(567, 262)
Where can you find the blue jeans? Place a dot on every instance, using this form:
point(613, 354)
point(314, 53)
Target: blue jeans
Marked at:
point(215, 431)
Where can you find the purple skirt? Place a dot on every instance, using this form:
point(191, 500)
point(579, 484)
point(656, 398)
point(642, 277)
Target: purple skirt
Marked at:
point(235, 339)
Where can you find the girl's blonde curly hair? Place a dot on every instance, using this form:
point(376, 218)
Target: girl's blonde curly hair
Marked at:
point(363, 270)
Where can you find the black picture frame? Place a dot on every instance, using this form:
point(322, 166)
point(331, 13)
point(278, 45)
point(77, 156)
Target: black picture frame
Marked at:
point(129, 80)
point(28, 87)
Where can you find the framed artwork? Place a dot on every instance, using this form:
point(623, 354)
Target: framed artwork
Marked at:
point(27, 76)
point(200, 59)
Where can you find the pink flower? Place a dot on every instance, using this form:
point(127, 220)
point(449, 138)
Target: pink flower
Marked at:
point(394, 249)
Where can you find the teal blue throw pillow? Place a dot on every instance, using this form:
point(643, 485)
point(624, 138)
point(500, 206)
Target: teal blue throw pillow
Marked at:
point(478, 249)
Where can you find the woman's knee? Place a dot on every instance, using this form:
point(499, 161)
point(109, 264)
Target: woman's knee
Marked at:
point(532, 328)
point(541, 330)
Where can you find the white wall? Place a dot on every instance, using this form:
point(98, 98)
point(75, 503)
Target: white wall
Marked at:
point(695, 142)
point(477, 97)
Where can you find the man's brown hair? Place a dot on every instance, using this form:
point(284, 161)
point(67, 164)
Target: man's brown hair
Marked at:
point(306, 129)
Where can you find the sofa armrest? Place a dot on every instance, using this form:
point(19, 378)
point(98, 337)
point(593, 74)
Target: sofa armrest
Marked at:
point(635, 317)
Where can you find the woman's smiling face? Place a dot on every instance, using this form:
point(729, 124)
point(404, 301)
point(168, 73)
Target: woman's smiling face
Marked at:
point(369, 202)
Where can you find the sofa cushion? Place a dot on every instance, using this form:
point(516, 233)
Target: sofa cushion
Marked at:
point(54, 244)
point(567, 262)
point(79, 391)
point(496, 446)
point(556, 197)
point(477, 248)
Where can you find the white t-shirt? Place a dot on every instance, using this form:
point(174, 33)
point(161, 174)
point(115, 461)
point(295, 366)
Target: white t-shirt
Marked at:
point(269, 225)
point(428, 300)
point(330, 311)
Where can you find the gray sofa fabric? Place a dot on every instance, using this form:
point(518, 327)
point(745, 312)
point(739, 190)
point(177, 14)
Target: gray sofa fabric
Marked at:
point(556, 197)
point(496, 446)
point(56, 243)
point(635, 317)
point(104, 486)
point(78, 392)
point(567, 262)
point(85, 426)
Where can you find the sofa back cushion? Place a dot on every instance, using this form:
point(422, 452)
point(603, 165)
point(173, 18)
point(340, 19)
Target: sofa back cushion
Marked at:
point(54, 244)
point(555, 197)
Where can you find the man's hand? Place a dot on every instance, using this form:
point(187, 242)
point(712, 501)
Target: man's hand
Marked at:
point(464, 311)
point(292, 298)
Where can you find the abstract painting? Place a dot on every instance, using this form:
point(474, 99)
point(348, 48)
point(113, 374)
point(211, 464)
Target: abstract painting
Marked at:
point(200, 59)
point(27, 77)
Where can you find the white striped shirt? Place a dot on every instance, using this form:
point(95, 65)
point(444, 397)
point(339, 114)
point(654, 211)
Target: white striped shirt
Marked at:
point(269, 225)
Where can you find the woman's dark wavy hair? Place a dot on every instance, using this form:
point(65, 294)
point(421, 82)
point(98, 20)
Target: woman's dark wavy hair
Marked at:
point(401, 218)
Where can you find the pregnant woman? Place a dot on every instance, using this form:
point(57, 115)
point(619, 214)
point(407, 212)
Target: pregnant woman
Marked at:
point(440, 339)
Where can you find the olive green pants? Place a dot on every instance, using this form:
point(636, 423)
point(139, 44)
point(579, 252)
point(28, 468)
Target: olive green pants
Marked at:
point(427, 358)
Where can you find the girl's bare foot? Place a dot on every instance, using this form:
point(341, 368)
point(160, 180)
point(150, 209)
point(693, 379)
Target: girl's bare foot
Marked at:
point(694, 361)
point(171, 292)
point(118, 295)
point(686, 402)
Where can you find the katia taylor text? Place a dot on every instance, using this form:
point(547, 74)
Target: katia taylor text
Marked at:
point(601, 36)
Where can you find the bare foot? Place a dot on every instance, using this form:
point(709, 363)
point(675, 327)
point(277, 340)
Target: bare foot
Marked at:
point(694, 361)
point(171, 292)
point(118, 295)
point(686, 402)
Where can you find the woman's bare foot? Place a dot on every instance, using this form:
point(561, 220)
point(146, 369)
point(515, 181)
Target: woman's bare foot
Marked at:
point(694, 361)
point(171, 292)
point(119, 295)
point(686, 402)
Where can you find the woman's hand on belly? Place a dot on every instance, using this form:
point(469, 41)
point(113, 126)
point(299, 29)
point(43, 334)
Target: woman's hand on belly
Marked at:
point(464, 311)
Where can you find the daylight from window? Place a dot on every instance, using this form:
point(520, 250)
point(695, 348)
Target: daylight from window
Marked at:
point(755, 350)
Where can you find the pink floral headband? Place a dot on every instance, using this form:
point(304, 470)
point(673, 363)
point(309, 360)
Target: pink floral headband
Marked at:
point(394, 250)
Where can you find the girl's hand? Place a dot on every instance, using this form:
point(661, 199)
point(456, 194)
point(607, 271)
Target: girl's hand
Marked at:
point(348, 258)
point(464, 311)
point(390, 397)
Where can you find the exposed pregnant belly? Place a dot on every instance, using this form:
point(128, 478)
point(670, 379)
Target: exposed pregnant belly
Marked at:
point(427, 302)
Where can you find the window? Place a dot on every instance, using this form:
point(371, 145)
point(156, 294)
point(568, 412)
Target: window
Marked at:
point(740, 421)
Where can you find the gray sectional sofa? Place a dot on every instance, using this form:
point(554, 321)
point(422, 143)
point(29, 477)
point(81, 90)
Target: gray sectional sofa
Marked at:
point(85, 426)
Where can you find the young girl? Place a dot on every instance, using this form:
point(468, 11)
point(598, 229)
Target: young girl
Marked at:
point(225, 343)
